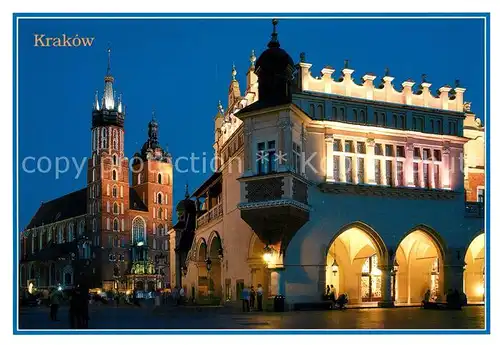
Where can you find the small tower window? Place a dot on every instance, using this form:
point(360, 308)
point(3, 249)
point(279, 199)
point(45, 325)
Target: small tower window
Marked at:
point(104, 139)
point(115, 139)
point(114, 175)
point(159, 198)
point(159, 178)
point(115, 208)
point(115, 160)
point(160, 213)
point(115, 225)
point(115, 192)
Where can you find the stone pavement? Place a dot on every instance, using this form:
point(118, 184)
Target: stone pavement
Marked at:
point(171, 317)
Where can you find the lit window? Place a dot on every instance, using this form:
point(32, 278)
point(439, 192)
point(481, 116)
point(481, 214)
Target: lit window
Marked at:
point(400, 173)
point(266, 157)
point(388, 172)
point(348, 169)
point(416, 175)
point(361, 170)
point(138, 230)
point(378, 175)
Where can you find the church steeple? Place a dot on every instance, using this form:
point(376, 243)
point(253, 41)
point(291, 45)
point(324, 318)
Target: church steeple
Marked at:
point(108, 99)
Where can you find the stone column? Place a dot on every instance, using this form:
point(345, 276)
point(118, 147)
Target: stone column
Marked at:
point(329, 157)
point(369, 162)
point(342, 164)
point(387, 301)
point(445, 170)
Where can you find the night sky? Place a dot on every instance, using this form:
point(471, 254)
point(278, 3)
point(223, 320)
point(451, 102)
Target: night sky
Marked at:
point(181, 68)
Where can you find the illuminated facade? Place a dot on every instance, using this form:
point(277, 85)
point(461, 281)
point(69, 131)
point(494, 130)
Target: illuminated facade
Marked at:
point(356, 185)
point(112, 232)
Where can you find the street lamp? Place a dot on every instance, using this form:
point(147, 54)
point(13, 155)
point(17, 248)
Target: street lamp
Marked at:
point(268, 254)
point(209, 267)
point(396, 266)
point(209, 264)
point(220, 254)
point(335, 267)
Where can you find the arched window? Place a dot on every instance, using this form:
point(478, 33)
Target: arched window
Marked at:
point(159, 198)
point(93, 175)
point(342, 114)
point(160, 230)
point(115, 160)
point(115, 192)
point(114, 175)
point(311, 110)
point(362, 117)
point(115, 208)
point(94, 136)
point(160, 213)
point(138, 230)
point(93, 160)
point(334, 111)
point(355, 114)
point(71, 233)
point(81, 228)
point(159, 178)
point(115, 225)
point(94, 225)
point(321, 115)
point(166, 199)
point(168, 178)
point(395, 121)
point(104, 138)
point(115, 139)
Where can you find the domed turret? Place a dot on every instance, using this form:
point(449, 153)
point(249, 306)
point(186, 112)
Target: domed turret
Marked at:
point(275, 68)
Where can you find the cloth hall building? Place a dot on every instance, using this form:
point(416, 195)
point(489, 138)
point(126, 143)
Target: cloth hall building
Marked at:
point(111, 234)
point(359, 185)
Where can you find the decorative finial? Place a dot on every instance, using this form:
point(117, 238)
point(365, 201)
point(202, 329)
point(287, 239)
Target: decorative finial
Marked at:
point(302, 57)
point(457, 82)
point(346, 63)
point(220, 108)
point(386, 73)
point(274, 37)
point(424, 78)
point(109, 60)
point(233, 72)
point(153, 115)
point(186, 194)
point(253, 58)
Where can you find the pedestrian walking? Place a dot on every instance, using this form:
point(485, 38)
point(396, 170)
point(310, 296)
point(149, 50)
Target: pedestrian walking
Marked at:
point(252, 298)
point(245, 298)
point(55, 298)
point(260, 293)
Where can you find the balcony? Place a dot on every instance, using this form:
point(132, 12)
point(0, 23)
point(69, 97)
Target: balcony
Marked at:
point(474, 209)
point(212, 214)
point(274, 205)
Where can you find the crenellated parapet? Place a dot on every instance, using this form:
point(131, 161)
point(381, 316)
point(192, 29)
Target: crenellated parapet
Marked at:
point(448, 98)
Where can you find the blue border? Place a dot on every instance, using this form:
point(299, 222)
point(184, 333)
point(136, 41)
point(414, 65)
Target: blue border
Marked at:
point(478, 15)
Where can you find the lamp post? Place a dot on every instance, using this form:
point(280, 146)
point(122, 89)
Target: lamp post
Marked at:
point(160, 263)
point(208, 262)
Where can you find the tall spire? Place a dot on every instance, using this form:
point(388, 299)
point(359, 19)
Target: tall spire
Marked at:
point(186, 194)
point(274, 43)
point(233, 72)
point(253, 58)
point(109, 97)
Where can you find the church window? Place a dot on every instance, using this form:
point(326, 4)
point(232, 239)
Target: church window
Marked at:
point(159, 178)
point(114, 175)
point(93, 160)
point(115, 192)
point(115, 160)
point(138, 230)
point(115, 225)
point(362, 117)
point(123, 209)
point(107, 207)
point(115, 208)
point(93, 175)
point(159, 198)
point(107, 224)
point(321, 114)
point(115, 139)
point(104, 139)
point(94, 225)
point(160, 213)
point(121, 191)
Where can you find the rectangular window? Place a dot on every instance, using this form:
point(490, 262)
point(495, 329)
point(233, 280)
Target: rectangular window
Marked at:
point(389, 150)
point(348, 170)
point(378, 150)
point(437, 183)
point(271, 149)
point(266, 157)
point(480, 194)
point(427, 181)
point(427, 154)
point(361, 147)
point(297, 153)
point(400, 173)
point(361, 170)
point(349, 146)
point(378, 176)
point(400, 151)
point(416, 175)
point(416, 153)
point(388, 172)
point(437, 155)
point(336, 168)
point(337, 145)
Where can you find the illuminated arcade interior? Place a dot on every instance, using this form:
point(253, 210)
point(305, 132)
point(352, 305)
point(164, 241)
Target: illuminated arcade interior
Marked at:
point(474, 270)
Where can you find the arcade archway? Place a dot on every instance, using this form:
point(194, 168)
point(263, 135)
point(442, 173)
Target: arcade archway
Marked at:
point(352, 264)
point(214, 275)
point(474, 282)
point(419, 265)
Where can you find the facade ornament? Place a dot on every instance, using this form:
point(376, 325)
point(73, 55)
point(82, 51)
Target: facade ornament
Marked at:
point(284, 123)
point(409, 146)
point(457, 83)
point(370, 142)
point(386, 72)
point(220, 108)
point(274, 36)
point(302, 57)
point(446, 150)
point(467, 106)
point(346, 63)
point(424, 78)
point(253, 58)
point(234, 72)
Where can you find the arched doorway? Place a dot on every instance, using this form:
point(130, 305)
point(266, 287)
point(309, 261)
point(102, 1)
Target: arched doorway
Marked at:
point(151, 286)
point(202, 282)
point(214, 275)
point(259, 272)
point(139, 285)
point(419, 264)
point(474, 282)
point(353, 261)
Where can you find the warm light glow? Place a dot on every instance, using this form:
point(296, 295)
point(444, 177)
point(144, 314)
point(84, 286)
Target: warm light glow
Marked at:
point(30, 288)
point(480, 290)
point(140, 244)
point(127, 292)
point(268, 257)
point(98, 291)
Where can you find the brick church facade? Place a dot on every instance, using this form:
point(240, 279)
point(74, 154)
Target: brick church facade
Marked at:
point(113, 233)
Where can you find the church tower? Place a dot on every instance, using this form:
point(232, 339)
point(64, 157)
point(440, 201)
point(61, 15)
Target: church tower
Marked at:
point(107, 177)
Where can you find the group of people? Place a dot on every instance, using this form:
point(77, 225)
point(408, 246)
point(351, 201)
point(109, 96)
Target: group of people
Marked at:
point(454, 298)
point(78, 306)
point(178, 295)
point(331, 295)
point(250, 295)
